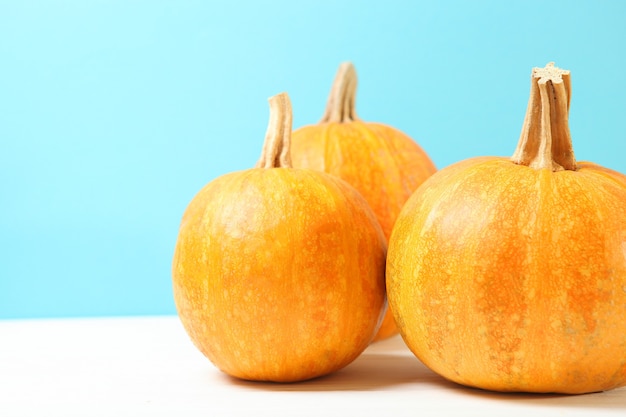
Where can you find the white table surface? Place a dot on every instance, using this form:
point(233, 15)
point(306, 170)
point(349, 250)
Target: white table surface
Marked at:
point(147, 366)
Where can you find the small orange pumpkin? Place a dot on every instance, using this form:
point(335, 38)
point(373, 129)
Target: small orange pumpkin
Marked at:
point(278, 273)
point(510, 274)
point(381, 162)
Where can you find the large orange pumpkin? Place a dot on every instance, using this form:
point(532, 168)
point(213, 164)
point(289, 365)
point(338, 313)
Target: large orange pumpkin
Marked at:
point(381, 162)
point(278, 273)
point(510, 274)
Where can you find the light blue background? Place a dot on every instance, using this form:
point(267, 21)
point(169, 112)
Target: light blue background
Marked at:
point(113, 114)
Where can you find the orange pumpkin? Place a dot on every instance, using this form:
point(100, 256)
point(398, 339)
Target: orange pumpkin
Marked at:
point(510, 274)
point(278, 273)
point(381, 162)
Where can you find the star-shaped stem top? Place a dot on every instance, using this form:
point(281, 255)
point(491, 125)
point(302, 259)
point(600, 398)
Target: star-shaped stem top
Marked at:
point(545, 140)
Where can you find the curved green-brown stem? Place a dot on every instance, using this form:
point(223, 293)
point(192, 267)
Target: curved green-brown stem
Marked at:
point(545, 141)
point(276, 148)
point(340, 106)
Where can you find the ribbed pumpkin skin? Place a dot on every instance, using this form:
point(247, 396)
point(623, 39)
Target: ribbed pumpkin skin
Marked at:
point(381, 162)
point(509, 278)
point(279, 273)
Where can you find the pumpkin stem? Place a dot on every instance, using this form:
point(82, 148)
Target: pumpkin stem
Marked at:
point(545, 141)
point(276, 148)
point(340, 107)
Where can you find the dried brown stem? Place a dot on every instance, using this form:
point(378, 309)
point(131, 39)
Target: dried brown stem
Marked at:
point(545, 141)
point(276, 148)
point(340, 106)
